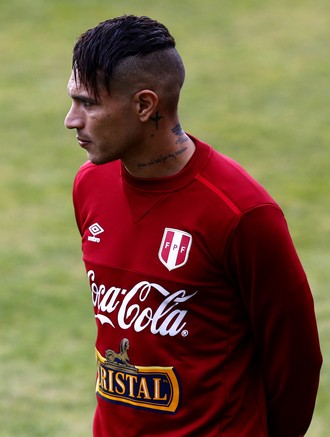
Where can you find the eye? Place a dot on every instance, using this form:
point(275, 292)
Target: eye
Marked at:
point(87, 103)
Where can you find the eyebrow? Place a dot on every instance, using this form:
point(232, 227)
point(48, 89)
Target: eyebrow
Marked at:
point(81, 97)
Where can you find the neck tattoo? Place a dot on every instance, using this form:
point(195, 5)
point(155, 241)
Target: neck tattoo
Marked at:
point(179, 133)
point(156, 119)
point(163, 158)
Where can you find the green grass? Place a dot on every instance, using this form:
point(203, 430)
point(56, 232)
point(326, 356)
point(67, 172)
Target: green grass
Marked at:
point(257, 88)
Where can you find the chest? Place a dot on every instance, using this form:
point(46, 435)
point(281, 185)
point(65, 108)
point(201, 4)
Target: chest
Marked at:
point(174, 236)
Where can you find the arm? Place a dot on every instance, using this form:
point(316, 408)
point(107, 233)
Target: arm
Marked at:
point(276, 293)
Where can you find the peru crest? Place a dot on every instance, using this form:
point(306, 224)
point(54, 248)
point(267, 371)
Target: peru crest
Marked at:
point(174, 248)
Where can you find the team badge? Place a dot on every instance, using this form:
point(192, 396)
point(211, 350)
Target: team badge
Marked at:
point(152, 388)
point(174, 248)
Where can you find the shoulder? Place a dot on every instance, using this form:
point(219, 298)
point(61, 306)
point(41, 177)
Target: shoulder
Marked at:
point(92, 173)
point(228, 181)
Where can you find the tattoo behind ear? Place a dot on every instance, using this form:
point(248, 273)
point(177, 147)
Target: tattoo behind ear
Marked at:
point(156, 119)
point(177, 130)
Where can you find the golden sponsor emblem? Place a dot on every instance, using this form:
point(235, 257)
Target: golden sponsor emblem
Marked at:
point(154, 387)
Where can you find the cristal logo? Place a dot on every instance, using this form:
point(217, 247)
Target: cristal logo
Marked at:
point(167, 319)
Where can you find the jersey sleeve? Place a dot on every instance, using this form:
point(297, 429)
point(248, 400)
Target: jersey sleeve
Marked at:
point(80, 193)
point(75, 198)
point(265, 266)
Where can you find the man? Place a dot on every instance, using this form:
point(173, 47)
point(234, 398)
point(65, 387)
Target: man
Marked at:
point(205, 319)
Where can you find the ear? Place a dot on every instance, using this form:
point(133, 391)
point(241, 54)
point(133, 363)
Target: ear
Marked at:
point(146, 102)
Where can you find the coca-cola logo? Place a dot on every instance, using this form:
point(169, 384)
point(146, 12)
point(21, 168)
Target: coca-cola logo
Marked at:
point(132, 310)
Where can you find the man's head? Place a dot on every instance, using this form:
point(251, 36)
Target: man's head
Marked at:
point(130, 53)
point(125, 88)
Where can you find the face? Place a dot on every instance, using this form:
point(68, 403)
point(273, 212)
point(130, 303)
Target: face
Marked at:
point(108, 128)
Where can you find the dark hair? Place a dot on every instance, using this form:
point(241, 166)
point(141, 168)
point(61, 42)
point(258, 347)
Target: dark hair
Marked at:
point(101, 49)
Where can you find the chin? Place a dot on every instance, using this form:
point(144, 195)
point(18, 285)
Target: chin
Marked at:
point(99, 160)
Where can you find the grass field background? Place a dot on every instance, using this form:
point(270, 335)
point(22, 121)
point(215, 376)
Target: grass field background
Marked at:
point(257, 89)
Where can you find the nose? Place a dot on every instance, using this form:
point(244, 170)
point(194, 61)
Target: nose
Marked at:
point(73, 120)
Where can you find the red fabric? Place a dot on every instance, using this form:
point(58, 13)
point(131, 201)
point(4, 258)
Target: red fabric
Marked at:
point(217, 309)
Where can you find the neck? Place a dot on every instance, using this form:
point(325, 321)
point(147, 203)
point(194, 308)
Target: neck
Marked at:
point(164, 157)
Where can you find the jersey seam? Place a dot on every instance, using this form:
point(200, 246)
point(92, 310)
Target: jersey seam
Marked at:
point(234, 208)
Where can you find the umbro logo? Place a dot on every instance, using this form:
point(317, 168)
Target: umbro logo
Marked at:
point(95, 229)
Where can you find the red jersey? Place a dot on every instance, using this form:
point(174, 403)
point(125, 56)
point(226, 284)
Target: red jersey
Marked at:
point(205, 319)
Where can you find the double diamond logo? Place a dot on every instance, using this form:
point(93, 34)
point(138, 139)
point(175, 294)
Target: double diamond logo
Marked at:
point(95, 229)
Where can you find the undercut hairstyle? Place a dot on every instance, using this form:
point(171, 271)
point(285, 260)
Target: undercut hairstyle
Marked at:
point(129, 51)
